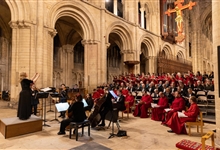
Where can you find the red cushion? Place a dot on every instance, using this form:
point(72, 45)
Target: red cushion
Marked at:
point(190, 145)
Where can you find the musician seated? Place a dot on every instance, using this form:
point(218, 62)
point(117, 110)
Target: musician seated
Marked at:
point(76, 113)
point(177, 120)
point(89, 101)
point(142, 108)
point(105, 105)
point(157, 110)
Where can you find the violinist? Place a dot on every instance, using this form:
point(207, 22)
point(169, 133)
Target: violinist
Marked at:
point(76, 114)
point(34, 99)
point(63, 98)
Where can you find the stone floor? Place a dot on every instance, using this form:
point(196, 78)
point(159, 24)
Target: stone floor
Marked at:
point(142, 134)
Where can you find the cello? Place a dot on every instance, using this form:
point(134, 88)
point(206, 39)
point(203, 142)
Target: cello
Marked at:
point(95, 117)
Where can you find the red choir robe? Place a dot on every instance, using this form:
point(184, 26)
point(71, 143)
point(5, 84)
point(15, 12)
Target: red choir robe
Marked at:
point(177, 105)
point(157, 112)
point(101, 91)
point(142, 108)
point(95, 96)
point(130, 100)
point(124, 92)
point(177, 124)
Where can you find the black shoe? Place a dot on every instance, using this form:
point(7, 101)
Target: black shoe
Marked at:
point(61, 133)
point(214, 130)
point(101, 125)
point(60, 116)
point(170, 131)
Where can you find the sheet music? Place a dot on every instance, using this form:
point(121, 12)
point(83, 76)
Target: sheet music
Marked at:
point(46, 89)
point(113, 94)
point(167, 109)
point(153, 105)
point(62, 106)
point(180, 114)
point(84, 103)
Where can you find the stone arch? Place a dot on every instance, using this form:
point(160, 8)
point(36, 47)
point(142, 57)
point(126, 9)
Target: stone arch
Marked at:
point(20, 10)
point(74, 77)
point(149, 42)
point(123, 32)
point(6, 29)
point(79, 13)
point(166, 48)
point(209, 67)
point(180, 54)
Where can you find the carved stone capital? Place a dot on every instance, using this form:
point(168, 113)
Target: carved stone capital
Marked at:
point(90, 42)
point(52, 32)
point(68, 48)
point(107, 45)
point(20, 24)
point(142, 9)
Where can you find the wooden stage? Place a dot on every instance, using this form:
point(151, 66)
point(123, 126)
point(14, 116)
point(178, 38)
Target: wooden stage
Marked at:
point(11, 127)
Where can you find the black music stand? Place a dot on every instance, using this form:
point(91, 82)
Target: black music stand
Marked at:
point(112, 116)
point(43, 96)
point(53, 90)
point(55, 95)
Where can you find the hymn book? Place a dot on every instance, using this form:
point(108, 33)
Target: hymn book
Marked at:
point(180, 114)
point(153, 105)
point(167, 109)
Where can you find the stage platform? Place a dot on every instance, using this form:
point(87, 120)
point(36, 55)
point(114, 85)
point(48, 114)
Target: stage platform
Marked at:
point(11, 127)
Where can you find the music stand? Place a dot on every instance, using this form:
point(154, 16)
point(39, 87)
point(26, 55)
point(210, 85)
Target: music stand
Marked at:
point(112, 116)
point(55, 95)
point(43, 96)
point(53, 90)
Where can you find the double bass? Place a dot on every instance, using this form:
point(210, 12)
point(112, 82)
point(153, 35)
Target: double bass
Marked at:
point(95, 117)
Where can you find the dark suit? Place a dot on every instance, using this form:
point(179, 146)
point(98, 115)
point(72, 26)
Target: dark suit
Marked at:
point(90, 103)
point(187, 99)
point(121, 103)
point(106, 107)
point(170, 97)
point(150, 90)
point(78, 115)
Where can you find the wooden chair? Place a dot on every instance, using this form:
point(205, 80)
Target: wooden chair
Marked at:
point(149, 111)
point(190, 145)
point(198, 122)
point(126, 110)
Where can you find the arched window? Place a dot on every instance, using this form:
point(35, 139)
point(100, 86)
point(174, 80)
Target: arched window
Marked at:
point(79, 53)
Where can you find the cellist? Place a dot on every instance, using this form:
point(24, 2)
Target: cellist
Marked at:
point(105, 107)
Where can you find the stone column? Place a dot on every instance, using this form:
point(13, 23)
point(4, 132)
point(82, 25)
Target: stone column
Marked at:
point(142, 17)
point(68, 67)
point(90, 65)
point(115, 7)
point(47, 60)
point(23, 57)
point(152, 61)
point(216, 41)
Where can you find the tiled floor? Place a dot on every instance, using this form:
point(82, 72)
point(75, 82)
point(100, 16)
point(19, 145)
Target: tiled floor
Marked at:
point(142, 134)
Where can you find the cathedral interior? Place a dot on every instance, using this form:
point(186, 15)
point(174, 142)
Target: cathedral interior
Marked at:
point(89, 42)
